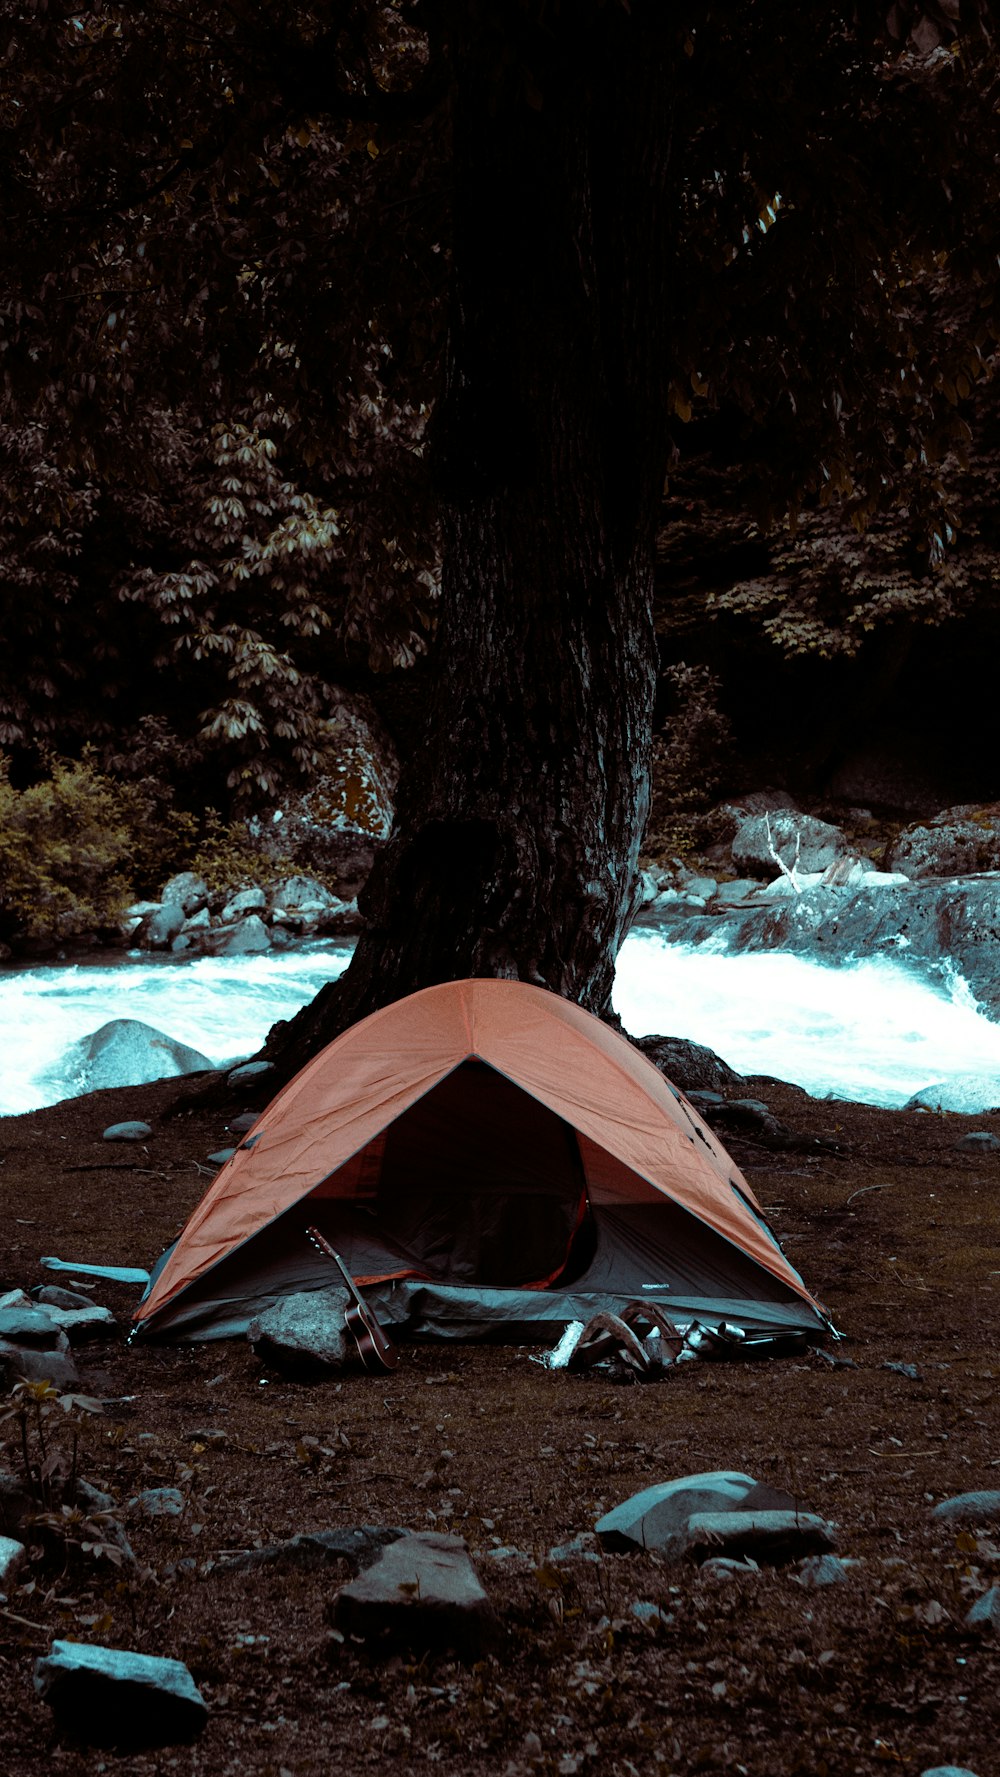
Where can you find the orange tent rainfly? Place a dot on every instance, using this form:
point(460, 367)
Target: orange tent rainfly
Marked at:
point(489, 1160)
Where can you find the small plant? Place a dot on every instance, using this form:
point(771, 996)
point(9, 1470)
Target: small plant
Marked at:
point(65, 852)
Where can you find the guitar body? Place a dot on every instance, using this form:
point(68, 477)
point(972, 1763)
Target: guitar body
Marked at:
point(375, 1349)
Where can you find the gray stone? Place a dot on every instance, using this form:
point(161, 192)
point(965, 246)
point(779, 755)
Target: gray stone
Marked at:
point(186, 890)
point(13, 1559)
point(245, 938)
point(248, 900)
point(249, 1070)
point(127, 1132)
point(910, 1371)
point(157, 930)
point(948, 1771)
point(52, 1295)
point(657, 1518)
point(957, 842)
point(771, 1536)
point(31, 1326)
point(106, 1696)
point(978, 1141)
point(969, 1093)
point(126, 1052)
point(985, 1613)
point(198, 922)
point(159, 1502)
point(315, 1549)
point(969, 1508)
point(221, 1156)
point(21, 1363)
point(304, 1333)
point(582, 1548)
point(725, 1567)
point(92, 1321)
point(689, 1065)
point(800, 841)
point(242, 1124)
point(822, 1570)
point(423, 1591)
point(303, 894)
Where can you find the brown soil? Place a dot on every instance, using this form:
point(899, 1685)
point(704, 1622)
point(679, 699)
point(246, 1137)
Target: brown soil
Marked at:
point(898, 1235)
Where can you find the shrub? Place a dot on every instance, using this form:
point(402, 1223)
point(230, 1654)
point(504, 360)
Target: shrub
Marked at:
point(690, 759)
point(65, 852)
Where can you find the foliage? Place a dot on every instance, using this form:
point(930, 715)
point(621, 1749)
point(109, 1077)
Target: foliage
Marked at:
point(690, 759)
point(229, 857)
point(65, 852)
point(39, 1417)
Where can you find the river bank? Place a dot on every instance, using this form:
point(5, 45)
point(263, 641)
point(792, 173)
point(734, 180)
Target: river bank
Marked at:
point(894, 1229)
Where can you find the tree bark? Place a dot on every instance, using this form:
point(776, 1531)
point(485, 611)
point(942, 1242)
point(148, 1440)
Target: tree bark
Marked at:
point(519, 820)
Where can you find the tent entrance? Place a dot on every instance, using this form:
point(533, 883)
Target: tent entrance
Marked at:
point(480, 1183)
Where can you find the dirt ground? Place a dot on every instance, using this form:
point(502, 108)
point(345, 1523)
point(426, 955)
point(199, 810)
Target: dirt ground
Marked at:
point(897, 1233)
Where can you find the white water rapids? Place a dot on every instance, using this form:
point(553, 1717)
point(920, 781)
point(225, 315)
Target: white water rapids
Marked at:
point(868, 1031)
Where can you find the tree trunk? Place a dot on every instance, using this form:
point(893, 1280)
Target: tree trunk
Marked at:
point(520, 817)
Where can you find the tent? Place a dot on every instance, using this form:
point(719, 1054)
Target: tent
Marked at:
point(488, 1159)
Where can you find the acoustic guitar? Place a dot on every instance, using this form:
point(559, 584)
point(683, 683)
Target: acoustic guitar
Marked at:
point(375, 1349)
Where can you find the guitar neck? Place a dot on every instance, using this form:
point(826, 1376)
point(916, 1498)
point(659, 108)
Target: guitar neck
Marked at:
point(324, 1246)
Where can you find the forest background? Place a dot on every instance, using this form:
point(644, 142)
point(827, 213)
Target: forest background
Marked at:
point(232, 431)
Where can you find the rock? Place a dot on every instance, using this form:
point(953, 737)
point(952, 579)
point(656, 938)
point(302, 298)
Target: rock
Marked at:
point(801, 842)
point(52, 1295)
point(13, 1559)
point(749, 1115)
point(158, 1502)
point(243, 1124)
point(21, 1363)
point(126, 1052)
point(978, 1141)
point(970, 1508)
point(186, 891)
point(688, 1065)
point(249, 1070)
point(822, 1570)
point(199, 922)
point(948, 1771)
point(423, 1591)
point(910, 1371)
point(157, 930)
point(673, 884)
point(957, 842)
point(774, 1537)
point(245, 938)
point(985, 1613)
point(248, 900)
point(582, 1548)
point(105, 1696)
point(969, 1093)
point(221, 1156)
point(127, 1132)
point(337, 824)
point(304, 1334)
point(724, 1567)
point(31, 1326)
point(511, 1558)
point(315, 1549)
point(90, 1321)
point(657, 1518)
point(303, 895)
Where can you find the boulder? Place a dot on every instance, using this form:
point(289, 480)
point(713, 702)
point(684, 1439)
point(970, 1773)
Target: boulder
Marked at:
point(127, 1132)
point(304, 1334)
point(958, 842)
point(688, 1065)
point(158, 1502)
point(303, 895)
point(657, 1518)
point(32, 1326)
point(422, 1592)
point(948, 1771)
point(248, 900)
point(187, 891)
point(52, 1295)
point(23, 1363)
point(970, 1508)
point(246, 937)
point(337, 824)
point(157, 930)
point(249, 1070)
point(774, 1537)
point(969, 1093)
point(106, 1696)
point(126, 1052)
point(800, 841)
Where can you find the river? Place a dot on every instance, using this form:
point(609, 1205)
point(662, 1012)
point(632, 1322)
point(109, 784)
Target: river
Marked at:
point(870, 1031)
